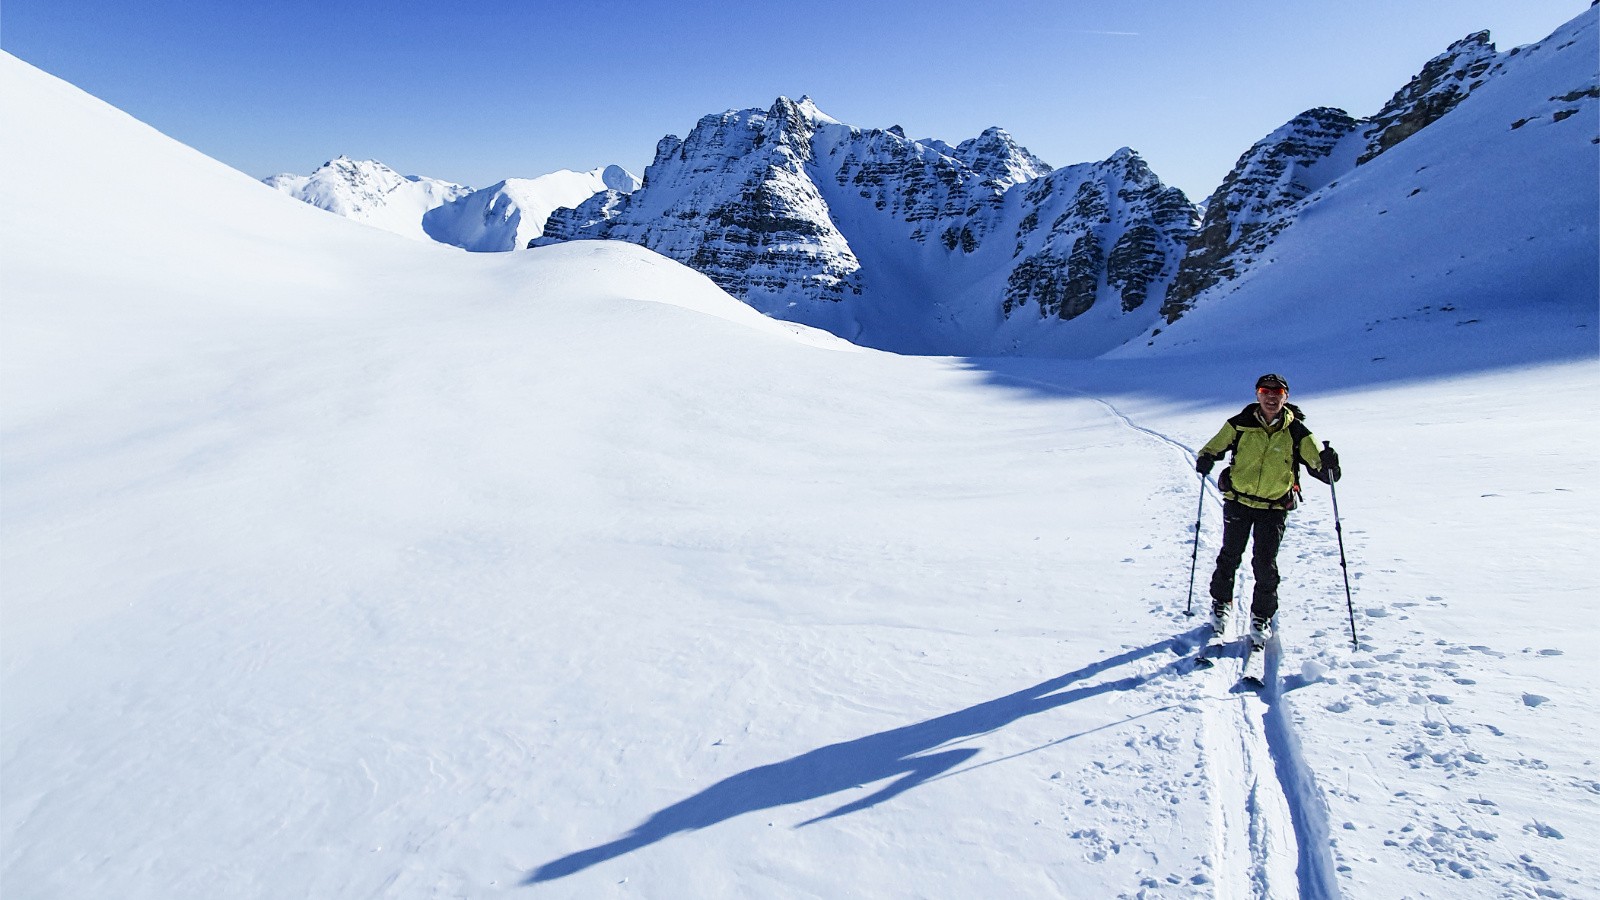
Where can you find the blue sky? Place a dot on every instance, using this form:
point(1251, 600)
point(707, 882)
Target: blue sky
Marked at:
point(477, 93)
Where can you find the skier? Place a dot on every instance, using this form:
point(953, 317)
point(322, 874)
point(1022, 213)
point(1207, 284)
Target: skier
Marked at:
point(1269, 442)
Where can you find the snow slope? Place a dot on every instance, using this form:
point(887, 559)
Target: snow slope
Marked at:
point(336, 566)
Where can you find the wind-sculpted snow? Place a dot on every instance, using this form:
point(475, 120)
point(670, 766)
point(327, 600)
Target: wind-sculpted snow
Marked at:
point(506, 216)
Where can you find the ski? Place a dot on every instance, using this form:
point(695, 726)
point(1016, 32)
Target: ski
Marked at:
point(1212, 645)
point(1255, 664)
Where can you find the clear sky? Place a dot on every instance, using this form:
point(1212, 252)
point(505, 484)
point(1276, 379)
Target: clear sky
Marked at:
point(477, 92)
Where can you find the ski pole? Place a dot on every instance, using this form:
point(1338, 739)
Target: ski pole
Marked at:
point(1194, 555)
point(1338, 530)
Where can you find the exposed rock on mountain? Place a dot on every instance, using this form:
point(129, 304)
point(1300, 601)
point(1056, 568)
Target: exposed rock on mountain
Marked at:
point(1119, 236)
point(1258, 199)
point(1442, 84)
point(909, 245)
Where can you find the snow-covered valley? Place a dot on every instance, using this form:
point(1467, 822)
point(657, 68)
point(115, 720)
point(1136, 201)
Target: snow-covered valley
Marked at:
point(337, 564)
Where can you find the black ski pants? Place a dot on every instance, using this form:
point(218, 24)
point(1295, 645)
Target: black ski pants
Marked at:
point(1240, 523)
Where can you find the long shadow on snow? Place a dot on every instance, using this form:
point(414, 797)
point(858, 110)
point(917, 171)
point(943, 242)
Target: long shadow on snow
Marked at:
point(903, 752)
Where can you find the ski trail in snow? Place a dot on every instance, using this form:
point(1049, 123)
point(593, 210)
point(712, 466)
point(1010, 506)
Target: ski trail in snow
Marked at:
point(1270, 820)
point(1308, 809)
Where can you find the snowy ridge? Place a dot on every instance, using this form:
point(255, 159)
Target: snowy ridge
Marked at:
point(371, 193)
point(921, 247)
point(1442, 84)
point(1260, 197)
point(503, 216)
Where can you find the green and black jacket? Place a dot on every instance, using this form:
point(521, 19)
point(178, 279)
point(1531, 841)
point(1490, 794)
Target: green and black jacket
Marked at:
point(1266, 457)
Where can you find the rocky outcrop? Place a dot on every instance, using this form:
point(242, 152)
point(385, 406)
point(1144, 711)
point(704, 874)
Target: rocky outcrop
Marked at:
point(1442, 84)
point(734, 200)
point(1258, 199)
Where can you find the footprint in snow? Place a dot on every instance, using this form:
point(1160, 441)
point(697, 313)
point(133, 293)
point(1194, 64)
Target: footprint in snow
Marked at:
point(1534, 699)
point(1544, 831)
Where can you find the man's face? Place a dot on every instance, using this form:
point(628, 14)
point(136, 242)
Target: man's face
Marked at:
point(1271, 400)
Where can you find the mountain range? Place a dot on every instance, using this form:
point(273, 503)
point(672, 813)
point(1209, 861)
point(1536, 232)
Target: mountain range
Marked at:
point(983, 249)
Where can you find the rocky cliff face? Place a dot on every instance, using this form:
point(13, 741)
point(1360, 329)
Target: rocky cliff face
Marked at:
point(1442, 84)
point(1259, 198)
point(900, 243)
point(734, 200)
point(1115, 235)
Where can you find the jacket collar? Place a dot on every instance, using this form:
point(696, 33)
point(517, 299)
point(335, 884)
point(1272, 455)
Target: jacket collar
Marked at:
point(1282, 421)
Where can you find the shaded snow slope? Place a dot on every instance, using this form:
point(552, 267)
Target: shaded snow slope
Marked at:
point(339, 565)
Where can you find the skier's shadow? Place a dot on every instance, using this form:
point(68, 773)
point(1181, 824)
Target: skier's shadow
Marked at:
point(902, 752)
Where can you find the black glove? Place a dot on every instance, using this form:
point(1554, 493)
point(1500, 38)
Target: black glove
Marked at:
point(1330, 464)
point(1203, 464)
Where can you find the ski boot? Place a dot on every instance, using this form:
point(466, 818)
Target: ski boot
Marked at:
point(1260, 630)
point(1219, 616)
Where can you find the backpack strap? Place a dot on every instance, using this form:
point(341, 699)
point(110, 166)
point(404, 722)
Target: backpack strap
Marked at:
point(1297, 433)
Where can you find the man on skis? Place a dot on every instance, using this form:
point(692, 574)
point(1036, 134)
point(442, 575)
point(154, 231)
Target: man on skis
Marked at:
point(1269, 442)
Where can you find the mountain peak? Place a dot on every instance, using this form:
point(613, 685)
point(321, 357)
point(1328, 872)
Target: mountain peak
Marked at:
point(997, 156)
point(802, 113)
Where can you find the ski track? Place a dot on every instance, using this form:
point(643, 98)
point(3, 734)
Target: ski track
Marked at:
point(1271, 837)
